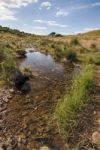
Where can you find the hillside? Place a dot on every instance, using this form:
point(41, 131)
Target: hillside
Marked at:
point(93, 33)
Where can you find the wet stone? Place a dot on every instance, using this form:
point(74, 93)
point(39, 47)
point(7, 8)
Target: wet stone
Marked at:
point(5, 99)
point(96, 138)
point(98, 121)
point(11, 91)
point(4, 147)
point(44, 148)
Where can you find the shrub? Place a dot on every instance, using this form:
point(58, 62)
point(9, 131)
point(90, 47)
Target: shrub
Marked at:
point(96, 60)
point(58, 52)
point(65, 111)
point(1, 56)
point(52, 34)
point(93, 46)
point(7, 65)
point(71, 56)
point(59, 35)
point(75, 42)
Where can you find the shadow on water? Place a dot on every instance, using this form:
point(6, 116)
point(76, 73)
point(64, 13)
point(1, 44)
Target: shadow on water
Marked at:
point(31, 115)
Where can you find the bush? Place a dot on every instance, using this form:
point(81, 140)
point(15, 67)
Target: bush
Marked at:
point(71, 56)
point(65, 111)
point(52, 34)
point(58, 52)
point(1, 56)
point(96, 60)
point(7, 65)
point(75, 42)
point(93, 46)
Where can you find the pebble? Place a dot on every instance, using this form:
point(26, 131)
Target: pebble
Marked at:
point(11, 90)
point(96, 138)
point(5, 99)
point(99, 121)
point(44, 148)
point(94, 112)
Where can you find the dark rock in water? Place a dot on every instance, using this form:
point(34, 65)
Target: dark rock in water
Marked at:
point(21, 53)
point(19, 80)
point(26, 88)
point(4, 147)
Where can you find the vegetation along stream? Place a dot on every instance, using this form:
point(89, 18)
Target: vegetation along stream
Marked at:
point(29, 117)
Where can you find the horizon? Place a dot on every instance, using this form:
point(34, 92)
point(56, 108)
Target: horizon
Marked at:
point(46, 16)
point(51, 32)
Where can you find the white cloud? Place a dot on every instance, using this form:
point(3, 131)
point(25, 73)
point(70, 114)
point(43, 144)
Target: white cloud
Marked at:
point(61, 12)
point(40, 28)
point(96, 4)
point(39, 21)
point(17, 3)
point(86, 30)
point(54, 23)
point(7, 8)
point(39, 32)
point(51, 23)
point(6, 14)
point(47, 5)
point(25, 24)
point(90, 29)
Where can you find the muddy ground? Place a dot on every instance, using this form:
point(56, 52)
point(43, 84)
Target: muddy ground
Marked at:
point(26, 121)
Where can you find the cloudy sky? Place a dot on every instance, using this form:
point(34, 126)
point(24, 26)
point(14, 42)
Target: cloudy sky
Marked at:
point(45, 16)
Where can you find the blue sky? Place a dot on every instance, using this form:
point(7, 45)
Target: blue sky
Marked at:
point(45, 16)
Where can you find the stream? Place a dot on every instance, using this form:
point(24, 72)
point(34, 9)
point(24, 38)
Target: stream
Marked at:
point(40, 62)
point(29, 117)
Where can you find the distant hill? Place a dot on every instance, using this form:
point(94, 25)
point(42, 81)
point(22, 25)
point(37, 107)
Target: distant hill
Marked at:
point(21, 33)
point(13, 31)
point(92, 33)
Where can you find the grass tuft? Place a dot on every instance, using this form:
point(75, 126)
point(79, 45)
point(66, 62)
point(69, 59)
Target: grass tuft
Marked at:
point(66, 109)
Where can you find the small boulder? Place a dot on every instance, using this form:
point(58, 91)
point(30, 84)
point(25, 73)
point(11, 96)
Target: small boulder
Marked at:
point(99, 121)
point(19, 81)
point(44, 148)
point(96, 138)
point(11, 91)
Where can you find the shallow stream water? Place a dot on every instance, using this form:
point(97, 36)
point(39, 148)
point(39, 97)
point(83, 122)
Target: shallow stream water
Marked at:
point(30, 117)
point(38, 61)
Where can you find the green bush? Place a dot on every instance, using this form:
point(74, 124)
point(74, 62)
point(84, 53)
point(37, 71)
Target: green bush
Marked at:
point(96, 60)
point(2, 56)
point(7, 65)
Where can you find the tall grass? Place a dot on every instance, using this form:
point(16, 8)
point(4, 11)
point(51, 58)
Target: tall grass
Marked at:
point(66, 109)
point(7, 65)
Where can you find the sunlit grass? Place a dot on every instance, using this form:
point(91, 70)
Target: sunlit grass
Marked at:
point(66, 109)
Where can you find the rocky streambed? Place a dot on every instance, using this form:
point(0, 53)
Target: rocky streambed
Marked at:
point(26, 120)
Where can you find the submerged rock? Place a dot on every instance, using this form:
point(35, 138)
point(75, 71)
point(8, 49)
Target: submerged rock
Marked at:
point(26, 88)
point(20, 81)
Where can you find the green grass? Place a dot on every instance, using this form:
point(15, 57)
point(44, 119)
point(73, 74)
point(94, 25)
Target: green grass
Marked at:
point(7, 64)
point(66, 109)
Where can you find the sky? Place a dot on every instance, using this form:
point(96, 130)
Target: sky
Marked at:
point(46, 16)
